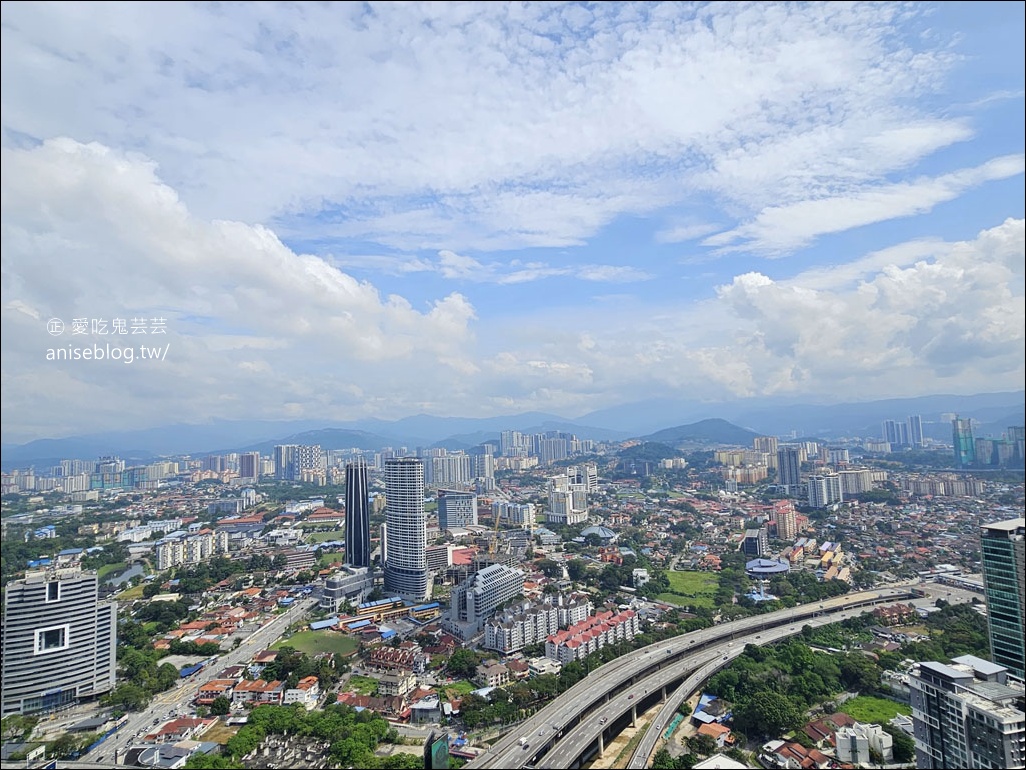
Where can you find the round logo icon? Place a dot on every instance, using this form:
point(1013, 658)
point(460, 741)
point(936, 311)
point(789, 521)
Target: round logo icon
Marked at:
point(55, 326)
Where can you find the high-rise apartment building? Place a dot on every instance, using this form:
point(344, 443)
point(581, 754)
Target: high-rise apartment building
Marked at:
point(456, 509)
point(249, 465)
point(476, 598)
point(294, 461)
point(967, 715)
point(406, 572)
point(789, 466)
point(358, 548)
point(767, 444)
point(915, 430)
point(450, 469)
point(786, 519)
point(59, 641)
point(825, 490)
point(568, 501)
point(962, 440)
point(896, 433)
point(516, 514)
point(1002, 548)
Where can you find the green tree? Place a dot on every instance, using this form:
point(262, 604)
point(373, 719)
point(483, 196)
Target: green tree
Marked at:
point(768, 714)
point(220, 706)
point(576, 569)
point(402, 761)
point(904, 747)
point(703, 745)
point(550, 569)
point(859, 673)
point(63, 747)
point(211, 762)
point(462, 664)
point(17, 728)
point(663, 761)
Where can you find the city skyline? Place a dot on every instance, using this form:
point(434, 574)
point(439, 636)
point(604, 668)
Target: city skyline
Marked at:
point(539, 207)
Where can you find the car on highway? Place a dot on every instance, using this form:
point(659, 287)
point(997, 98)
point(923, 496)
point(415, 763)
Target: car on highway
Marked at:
point(630, 697)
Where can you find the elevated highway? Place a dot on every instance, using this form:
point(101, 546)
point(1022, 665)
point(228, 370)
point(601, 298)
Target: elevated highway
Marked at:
point(597, 708)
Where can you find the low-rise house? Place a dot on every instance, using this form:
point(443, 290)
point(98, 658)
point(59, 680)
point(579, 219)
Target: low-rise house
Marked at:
point(307, 692)
point(258, 693)
point(400, 683)
point(492, 675)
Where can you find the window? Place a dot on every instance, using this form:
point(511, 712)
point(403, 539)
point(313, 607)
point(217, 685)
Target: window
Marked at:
point(53, 591)
point(52, 639)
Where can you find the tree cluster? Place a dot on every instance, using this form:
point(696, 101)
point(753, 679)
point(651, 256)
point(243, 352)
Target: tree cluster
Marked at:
point(772, 687)
point(353, 735)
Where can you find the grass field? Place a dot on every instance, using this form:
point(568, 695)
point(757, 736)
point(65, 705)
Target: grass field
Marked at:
point(694, 589)
point(325, 560)
point(463, 687)
point(131, 594)
point(313, 642)
point(219, 733)
point(323, 537)
point(364, 685)
point(866, 708)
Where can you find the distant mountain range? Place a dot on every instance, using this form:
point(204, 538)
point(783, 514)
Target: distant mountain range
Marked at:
point(714, 431)
point(735, 423)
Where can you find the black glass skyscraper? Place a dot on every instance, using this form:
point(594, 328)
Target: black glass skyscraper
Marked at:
point(357, 515)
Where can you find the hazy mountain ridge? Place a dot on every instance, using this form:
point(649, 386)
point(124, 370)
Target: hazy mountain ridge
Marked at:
point(995, 411)
point(711, 431)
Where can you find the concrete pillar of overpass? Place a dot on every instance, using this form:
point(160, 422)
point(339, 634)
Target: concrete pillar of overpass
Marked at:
point(662, 693)
point(602, 745)
point(634, 716)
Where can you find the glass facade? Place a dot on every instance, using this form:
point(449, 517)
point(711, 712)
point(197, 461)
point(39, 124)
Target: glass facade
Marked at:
point(1002, 547)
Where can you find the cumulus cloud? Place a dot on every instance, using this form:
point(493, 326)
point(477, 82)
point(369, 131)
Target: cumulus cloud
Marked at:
point(93, 233)
point(930, 314)
point(258, 330)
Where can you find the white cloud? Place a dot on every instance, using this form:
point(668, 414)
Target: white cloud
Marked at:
point(483, 126)
point(927, 316)
point(780, 229)
point(459, 267)
point(257, 330)
point(685, 232)
point(92, 233)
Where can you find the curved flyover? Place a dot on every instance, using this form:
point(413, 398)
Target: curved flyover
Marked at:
point(621, 684)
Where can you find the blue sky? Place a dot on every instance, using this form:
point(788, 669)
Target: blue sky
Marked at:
point(353, 210)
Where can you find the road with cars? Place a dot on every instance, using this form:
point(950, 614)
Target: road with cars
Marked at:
point(618, 687)
point(178, 700)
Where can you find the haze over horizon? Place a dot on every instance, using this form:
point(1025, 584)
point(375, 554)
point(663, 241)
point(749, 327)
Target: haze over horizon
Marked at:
point(360, 211)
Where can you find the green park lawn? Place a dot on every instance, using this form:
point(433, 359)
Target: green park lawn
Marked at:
point(695, 589)
point(314, 642)
point(462, 687)
point(323, 537)
point(867, 709)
